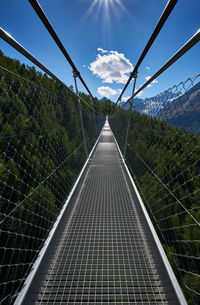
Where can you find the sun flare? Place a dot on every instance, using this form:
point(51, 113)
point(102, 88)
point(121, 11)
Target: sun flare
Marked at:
point(106, 7)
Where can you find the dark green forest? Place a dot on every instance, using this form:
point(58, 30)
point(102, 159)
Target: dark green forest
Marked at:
point(157, 150)
point(42, 152)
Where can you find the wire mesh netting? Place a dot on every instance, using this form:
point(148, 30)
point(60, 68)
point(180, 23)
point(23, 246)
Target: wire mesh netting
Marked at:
point(163, 154)
point(42, 152)
point(106, 252)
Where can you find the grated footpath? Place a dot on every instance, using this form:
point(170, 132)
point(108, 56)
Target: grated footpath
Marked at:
point(105, 253)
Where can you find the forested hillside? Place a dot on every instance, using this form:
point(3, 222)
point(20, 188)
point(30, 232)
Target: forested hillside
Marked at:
point(165, 163)
point(42, 152)
point(30, 73)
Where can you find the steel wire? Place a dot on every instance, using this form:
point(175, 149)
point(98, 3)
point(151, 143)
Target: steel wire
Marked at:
point(42, 152)
point(163, 154)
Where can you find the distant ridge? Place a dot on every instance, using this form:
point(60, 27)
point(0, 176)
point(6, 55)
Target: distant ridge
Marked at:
point(104, 99)
point(184, 110)
point(137, 102)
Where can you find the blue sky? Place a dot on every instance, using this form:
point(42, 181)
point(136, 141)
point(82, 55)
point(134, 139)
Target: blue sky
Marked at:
point(105, 39)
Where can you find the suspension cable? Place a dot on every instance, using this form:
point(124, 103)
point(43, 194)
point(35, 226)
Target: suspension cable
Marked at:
point(16, 45)
point(41, 14)
point(188, 45)
point(165, 186)
point(167, 11)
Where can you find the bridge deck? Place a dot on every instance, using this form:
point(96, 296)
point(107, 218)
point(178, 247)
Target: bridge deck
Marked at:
point(104, 252)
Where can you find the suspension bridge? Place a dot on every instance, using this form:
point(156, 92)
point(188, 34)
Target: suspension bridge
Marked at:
point(88, 216)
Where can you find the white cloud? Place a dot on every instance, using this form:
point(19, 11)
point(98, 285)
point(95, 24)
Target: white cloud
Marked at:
point(124, 99)
point(112, 67)
point(107, 91)
point(148, 68)
point(153, 82)
point(102, 50)
point(140, 93)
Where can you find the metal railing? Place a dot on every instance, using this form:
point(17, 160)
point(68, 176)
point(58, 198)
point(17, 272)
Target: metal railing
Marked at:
point(41, 14)
point(163, 154)
point(46, 137)
point(167, 11)
point(42, 152)
point(16, 45)
point(186, 47)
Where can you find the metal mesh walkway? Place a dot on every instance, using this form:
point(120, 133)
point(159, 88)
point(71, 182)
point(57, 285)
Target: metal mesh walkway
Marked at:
point(105, 253)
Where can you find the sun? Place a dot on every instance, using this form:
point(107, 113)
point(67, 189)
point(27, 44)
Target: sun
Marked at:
point(105, 7)
point(114, 4)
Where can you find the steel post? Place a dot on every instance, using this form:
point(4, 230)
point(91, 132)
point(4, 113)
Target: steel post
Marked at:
point(94, 116)
point(81, 115)
point(129, 115)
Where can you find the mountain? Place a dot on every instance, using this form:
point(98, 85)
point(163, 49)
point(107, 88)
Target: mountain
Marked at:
point(183, 110)
point(105, 99)
point(152, 106)
point(177, 109)
point(137, 103)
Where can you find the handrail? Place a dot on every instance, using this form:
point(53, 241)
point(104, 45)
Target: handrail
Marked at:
point(41, 14)
point(16, 45)
point(188, 45)
point(168, 9)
